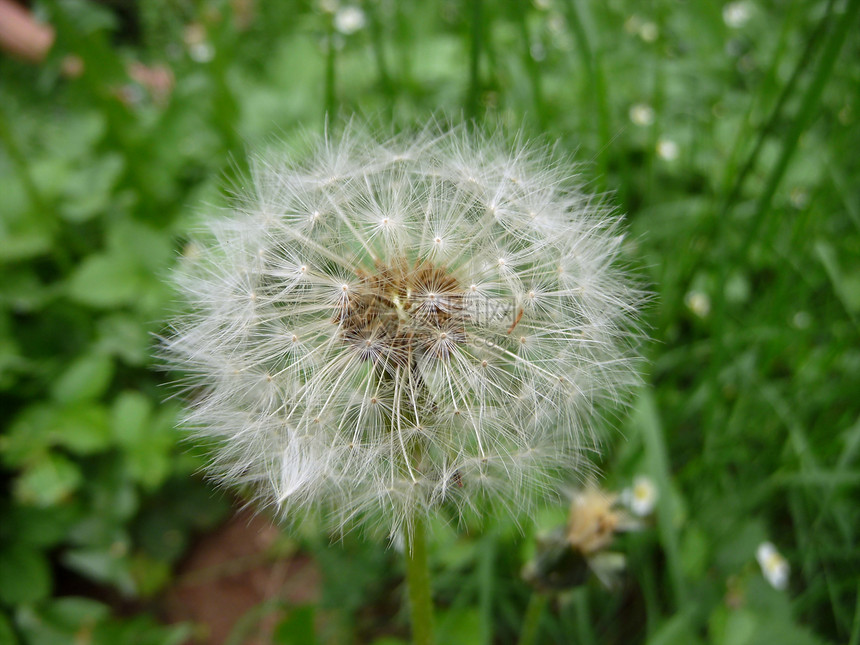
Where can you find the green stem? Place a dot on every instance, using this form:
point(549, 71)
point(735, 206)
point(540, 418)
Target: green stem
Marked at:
point(418, 579)
point(531, 623)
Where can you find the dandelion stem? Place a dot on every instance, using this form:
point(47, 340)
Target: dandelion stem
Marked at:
point(531, 623)
point(418, 579)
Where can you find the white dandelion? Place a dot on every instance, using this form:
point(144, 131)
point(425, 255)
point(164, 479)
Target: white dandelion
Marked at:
point(393, 326)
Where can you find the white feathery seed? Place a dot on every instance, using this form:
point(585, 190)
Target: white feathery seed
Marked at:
point(395, 325)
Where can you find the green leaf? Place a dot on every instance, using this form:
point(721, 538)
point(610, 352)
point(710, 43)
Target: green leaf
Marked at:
point(61, 622)
point(47, 481)
point(104, 280)
point(150, 575)
point(103, 565)
point(22, 290)
point(80, 132)
point(846, 285)
point(7, 635)
point(150, 248)
point(23, 243)
point(125, 337)
point(28, 435)
point(88, 192)
point(129, 417)
point(461, 627)
point(86, 378)
point(142, 629)
point(297, 628)
point(25, 575)
point(39, 528)
point(694, 552)
point(149, 463)
point(677, 630)
point(645, 420)
point(82, 428)
point(148, 440)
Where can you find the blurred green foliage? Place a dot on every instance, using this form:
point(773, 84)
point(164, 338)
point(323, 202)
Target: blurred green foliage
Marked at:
point(728, 134)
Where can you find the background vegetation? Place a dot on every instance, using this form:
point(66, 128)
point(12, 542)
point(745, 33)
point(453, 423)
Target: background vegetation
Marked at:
point(728, 133)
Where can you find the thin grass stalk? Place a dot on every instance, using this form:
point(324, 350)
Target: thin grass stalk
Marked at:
point(330, 56)
point(596, 81)
point(808, 108)
point(811, 101)
point(377, 43)
point(531, 622)
point(775, 117)
point(474, 93)
point(532, 68)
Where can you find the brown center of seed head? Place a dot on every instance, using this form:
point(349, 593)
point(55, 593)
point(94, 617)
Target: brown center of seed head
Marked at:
point(401, 312)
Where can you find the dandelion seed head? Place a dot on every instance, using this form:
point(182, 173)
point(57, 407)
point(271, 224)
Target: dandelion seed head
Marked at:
point(412, 338)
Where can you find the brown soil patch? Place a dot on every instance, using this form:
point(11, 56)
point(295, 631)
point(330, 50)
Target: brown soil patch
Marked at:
point(242, 577)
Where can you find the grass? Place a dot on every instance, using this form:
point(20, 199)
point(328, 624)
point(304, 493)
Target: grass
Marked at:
point(748, 420)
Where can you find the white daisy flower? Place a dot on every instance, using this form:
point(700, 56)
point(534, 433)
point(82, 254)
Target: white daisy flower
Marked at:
point(641, 498)
point(774, 566)
point(348, 20)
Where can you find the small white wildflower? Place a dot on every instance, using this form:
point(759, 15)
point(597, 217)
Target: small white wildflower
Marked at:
point(649, 32)
point(737, 14)
point(641, 114)
point(799, 198)
point(774, 567)
point(633, 24)
point(200, 50)
point(556, 23)
point(802, 319)
point(394, 325)
point(349, 19)
point(698, 302)
point(537, 51)
point(667, 150)
point(641, 498)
